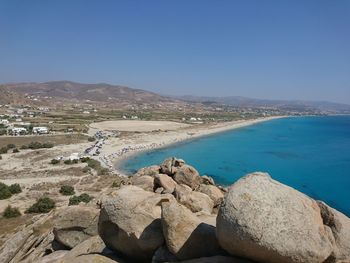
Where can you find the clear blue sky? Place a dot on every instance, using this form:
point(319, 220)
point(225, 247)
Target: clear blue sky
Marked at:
point(282, 49)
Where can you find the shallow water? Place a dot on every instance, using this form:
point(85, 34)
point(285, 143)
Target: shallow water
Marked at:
point(311, 154)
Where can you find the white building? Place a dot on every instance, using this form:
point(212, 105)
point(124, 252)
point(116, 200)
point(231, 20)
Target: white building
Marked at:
point(18, 131)
point(40, 130)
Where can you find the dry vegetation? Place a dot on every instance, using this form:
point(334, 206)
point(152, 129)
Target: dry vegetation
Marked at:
point(55, 139)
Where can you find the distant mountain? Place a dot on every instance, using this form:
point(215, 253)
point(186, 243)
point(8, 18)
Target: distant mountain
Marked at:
point(106, 93)
point(100, 92)
point(7, 96)
point(238, 101)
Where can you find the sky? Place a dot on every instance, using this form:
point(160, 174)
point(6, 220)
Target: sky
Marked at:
point(281, 49)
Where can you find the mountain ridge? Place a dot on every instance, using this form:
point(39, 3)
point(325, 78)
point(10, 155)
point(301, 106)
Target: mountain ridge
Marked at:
point(104, 93)
point(70, 90)
point(241, 101)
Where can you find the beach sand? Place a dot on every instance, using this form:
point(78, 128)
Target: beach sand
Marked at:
point(32, 169)
point(144, 136)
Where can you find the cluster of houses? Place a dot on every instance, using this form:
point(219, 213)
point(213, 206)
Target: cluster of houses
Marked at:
point(11, 122)
point(21, 128)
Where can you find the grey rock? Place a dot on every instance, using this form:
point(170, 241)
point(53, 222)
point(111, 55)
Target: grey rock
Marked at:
point(266, 221)
point(93, 245)
point(195, 201)
point(213, 192)
point(145, 182)
point(339, 225)
point(185, 234)
point(75, 224)
point(54, 257)
point(13, 245)
point(166, 182)
point(187, 175)
point(130, 222)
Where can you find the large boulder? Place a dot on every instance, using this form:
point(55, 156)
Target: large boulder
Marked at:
point(93, 245)
point(186, 235)
point(195, 201)
point(130, 222)
point(75, 224)
point(340, 227)
point(145, 182)
point(266, 221)
point(170, 166)
point(32, 242)
point(213, 192)
point(14, 245)
point(166, 182)
point(187, 175)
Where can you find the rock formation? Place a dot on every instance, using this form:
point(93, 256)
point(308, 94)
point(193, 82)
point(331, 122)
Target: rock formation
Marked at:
point(75, 224)
point(130, 222)
point(266, 221)
point(171, 214)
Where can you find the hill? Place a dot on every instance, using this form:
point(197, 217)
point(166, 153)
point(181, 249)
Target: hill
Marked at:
point(101, 92)
point(10, 97)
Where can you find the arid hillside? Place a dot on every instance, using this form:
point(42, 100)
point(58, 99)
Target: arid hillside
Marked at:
point(9, 97)
point(101, 92)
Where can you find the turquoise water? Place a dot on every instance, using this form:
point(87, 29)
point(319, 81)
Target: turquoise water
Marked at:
point(311, 154)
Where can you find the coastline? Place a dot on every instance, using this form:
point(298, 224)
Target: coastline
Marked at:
point(118, 150)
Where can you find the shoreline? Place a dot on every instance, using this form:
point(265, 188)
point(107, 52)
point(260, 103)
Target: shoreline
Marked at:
point(116, 151)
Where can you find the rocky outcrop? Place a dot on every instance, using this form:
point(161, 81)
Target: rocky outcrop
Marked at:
point(166, 182)
point(339, 224)
point(93, 245)
point(186, 236)
point(13, 246)
point(30, 242)
point(54, 257)
point(75, 224)
point(213, 192)
point(266, 221)
point(161, 220)
point(130, 222)
point(170, 166)
point(145, 182)
point(183, 181)
point(187, 175)
point(195, 201)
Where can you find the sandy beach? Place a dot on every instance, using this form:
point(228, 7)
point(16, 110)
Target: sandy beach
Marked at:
point(150, 135)
point(139, 136)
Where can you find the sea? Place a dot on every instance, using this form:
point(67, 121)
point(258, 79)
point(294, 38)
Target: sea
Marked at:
point(310, 154)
